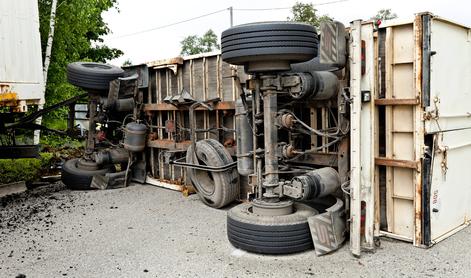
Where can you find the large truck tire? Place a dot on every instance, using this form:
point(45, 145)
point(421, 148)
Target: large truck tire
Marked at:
point(92, 76)
point(215, 189)
point(80, 179)
point(265, 41)
point(270, 234)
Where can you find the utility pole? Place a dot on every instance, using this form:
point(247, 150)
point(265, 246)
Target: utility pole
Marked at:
point(231, 15)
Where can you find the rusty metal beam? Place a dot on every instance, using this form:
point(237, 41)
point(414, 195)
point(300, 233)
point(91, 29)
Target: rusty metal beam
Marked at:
point(223, 105)
point(168, 144)
point(392, 101)
point(383, 161)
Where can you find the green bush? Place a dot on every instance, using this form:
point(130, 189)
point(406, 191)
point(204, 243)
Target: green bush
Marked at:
point(56, 141)
point(24, 169)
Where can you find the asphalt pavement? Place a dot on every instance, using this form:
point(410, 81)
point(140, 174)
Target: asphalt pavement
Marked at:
point(146, 231)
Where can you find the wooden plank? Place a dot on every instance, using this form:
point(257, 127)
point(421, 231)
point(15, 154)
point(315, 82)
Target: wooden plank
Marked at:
point(393, 101)
point(390, 162)
point(395, 236)
point(165, 62)
point(389, 127)
point(403, 197)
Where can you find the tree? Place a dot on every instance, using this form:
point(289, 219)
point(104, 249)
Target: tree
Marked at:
point(78, 37)
point(384, 14)
point(127, 63)
point(194, 44)
point(305, 12)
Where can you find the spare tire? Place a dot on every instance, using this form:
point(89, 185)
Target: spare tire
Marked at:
point(281, 234)
point(80, 179)
point(92, 76)
point(267, 46)
point(215, 189)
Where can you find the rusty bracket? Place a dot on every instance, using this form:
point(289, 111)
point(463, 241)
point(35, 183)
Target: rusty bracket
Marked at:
point(444, 151)
point(433, 114)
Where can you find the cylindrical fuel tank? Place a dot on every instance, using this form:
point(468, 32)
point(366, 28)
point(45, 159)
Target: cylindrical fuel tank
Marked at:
point(135, 137)
point(244, 139)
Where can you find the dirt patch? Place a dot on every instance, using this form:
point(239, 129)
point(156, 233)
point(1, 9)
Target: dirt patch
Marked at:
point(34, 205)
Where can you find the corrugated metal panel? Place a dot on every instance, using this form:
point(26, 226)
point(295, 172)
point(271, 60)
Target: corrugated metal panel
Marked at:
point(20, 48)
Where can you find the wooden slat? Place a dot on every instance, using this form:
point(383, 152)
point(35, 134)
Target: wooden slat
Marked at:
point(383, 161)
point(403, 197)
point(388, 127)
point(393, 101)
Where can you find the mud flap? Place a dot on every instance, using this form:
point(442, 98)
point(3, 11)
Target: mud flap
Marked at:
point(108, 181)
point(138, 172)
point(328, 229)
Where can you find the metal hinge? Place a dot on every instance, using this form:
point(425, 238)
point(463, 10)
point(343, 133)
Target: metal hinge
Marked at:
point(433, 114)
point(444, 164)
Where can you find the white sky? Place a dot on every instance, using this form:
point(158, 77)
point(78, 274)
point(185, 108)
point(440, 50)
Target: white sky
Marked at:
point(138, 15)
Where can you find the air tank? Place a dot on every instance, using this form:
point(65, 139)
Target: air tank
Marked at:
point(244, 137)
point(317, 183)
point(135, 137)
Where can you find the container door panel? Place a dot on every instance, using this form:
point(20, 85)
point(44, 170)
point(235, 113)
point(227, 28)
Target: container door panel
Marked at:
point(450, 77)
point(450, 195)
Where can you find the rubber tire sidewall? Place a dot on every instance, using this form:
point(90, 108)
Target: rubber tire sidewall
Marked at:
point(289, 41)
point(270, 234)
point(226, 185)
point(93, 78)
point(79, 179)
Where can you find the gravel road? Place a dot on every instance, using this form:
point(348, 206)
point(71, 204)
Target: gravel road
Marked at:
point(145, 231)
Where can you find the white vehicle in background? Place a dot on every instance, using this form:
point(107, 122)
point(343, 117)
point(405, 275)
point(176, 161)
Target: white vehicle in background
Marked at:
point(21, 71)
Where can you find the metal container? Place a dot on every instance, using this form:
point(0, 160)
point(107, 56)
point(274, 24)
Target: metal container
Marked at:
point(244, 137)
point(21, 71)
point(135, 137)
point(411, 143)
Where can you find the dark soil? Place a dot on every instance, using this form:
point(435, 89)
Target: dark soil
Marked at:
point(31, 215)
point(34, 205)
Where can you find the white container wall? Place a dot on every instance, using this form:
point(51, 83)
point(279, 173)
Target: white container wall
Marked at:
point(21, 75)
point(417, 142)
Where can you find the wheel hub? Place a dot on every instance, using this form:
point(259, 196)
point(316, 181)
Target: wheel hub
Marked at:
point(264, 208)
point(88, 165)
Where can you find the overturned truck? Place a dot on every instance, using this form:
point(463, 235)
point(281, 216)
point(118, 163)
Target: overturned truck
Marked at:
point(317, 135)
